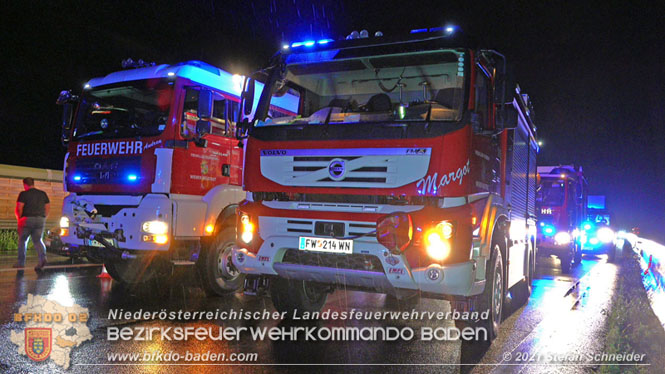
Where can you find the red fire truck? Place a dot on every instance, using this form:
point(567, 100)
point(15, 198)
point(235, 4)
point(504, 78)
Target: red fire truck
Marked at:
point(561, 207)
point(405, 171)
point(154, 171)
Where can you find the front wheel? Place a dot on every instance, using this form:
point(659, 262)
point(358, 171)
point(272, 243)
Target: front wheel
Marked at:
point(297, 296)
point(611, 252)
point(219, 275)
point(566, 261)
point(492, 298)
point(578, 255)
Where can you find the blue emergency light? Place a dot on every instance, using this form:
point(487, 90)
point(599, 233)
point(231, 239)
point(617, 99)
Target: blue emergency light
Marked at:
point(132, 177)
point(549, 230)
point(307, 43)
point(77, 178)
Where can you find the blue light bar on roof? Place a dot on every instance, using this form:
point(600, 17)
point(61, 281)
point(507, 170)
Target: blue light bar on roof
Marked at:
point(415, 31)
point(308, 43)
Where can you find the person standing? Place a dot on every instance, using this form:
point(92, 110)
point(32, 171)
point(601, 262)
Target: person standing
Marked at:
point(32, 208)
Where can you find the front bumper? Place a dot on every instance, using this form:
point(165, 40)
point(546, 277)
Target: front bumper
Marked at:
point(120, 229)
point(370, 267)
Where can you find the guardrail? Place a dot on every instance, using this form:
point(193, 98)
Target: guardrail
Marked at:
point(652, 263)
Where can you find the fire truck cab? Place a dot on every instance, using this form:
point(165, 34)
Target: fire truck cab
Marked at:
point(409, 169)
point(561, 206)
point(154, 171)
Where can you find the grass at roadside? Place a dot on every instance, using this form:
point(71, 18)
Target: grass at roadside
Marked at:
point(632, 325)
point(9, 241)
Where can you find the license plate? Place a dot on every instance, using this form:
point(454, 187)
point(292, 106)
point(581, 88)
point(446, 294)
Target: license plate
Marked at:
point(326, 245)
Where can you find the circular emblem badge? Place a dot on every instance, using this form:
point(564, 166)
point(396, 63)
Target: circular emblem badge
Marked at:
point(104, 123)
point(337, 169)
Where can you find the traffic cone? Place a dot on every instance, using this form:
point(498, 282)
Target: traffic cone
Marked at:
point(104, 274)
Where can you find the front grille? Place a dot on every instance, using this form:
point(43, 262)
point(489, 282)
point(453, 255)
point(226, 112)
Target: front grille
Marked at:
point(346, 167)
point(332, 260)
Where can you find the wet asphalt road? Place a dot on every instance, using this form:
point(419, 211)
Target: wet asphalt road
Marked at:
point(554, 319)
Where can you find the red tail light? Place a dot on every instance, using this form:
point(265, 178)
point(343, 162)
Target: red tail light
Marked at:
point(395, 231)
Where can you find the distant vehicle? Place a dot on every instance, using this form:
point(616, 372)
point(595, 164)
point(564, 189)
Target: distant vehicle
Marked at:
point(595, 235)
point(561, 208)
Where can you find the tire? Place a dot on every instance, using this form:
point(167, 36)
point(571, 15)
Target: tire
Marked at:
point(132, 272)
point(566, 263)
point(493, 296)
point(297, 296)
point(611, 253)
point(218, 275)
point(578, 255)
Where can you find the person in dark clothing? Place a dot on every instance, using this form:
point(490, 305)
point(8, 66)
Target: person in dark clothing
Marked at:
point(32, 208)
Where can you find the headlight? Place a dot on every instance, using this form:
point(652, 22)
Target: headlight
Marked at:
point(562, 238)
point(155, 227)
point(436, 240)
point(64, 222)
point(605, 234)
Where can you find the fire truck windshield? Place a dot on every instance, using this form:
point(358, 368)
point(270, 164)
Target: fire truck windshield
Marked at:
point(551, 193)
point(122, 110)
point(408, 87)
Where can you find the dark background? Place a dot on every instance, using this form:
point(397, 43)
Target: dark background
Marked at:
point(595, 71)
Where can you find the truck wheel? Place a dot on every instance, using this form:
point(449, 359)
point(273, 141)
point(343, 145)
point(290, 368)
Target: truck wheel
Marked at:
point(492, 298)
point(611, 253)
point(131, 272)
point(566, 262)
point(297, 296)
point(219, 276)
point(578, 255)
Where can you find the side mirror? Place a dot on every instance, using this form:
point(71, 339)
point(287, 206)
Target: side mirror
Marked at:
point(66, 125)
point(248, 96)
point(395, 231)
point(205, 104)
point(66, 99)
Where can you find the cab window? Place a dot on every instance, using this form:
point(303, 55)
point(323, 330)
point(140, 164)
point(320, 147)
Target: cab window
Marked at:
point(223, 114)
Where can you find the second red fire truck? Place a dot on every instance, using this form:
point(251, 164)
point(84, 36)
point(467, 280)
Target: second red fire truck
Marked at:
point(409, 168)
point(561, 206)
point(153, 171)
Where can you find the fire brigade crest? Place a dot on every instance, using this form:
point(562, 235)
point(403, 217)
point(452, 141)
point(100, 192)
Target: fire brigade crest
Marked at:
point(51, 330)
point(204, 167)
point(38, 343)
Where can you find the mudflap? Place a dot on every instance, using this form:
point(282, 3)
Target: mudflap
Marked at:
point(256, 285)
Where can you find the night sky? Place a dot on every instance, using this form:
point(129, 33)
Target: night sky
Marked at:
point(595, 72)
